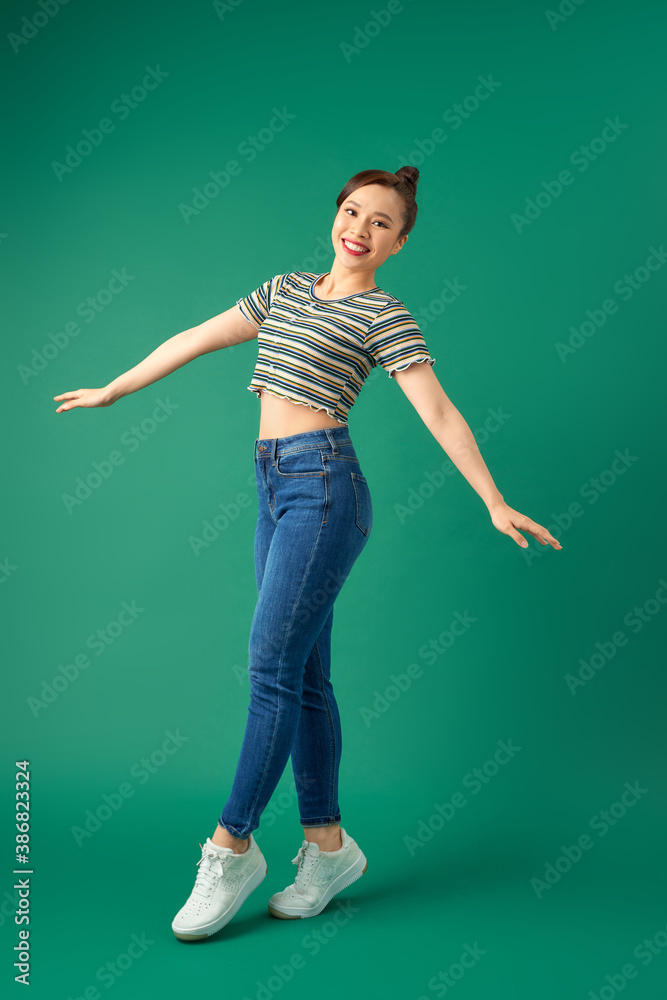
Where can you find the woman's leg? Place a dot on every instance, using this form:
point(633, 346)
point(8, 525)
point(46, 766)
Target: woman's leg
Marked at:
point(315, 770)
point(314, 540)
point(317, 748)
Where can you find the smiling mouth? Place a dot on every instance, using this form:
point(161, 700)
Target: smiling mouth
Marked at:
point(356, 248)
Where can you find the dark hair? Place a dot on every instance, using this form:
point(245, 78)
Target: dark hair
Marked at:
point(404, 183)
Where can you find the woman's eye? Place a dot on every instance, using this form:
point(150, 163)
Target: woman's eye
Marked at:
point(354, 213)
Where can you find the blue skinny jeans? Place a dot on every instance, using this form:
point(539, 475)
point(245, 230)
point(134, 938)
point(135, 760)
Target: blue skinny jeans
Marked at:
point(314, 517)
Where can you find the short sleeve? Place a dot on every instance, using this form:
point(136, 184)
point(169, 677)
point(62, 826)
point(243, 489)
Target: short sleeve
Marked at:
point(256, 305)
point(394, 339)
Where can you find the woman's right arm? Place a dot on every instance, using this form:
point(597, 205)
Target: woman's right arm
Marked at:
point(225, 330)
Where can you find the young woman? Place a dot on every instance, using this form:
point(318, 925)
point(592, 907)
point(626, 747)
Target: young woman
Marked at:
point(319, 336)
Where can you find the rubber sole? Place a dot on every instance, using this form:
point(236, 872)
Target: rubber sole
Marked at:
point(216, 925)
point(343, 880)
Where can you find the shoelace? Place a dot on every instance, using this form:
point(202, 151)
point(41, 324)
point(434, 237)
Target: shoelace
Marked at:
point(304, 862)
point(210, 871)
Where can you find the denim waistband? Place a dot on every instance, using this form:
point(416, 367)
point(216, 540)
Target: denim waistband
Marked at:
point(322, 437)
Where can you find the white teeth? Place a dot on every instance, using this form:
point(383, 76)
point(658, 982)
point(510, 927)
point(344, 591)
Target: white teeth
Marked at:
point(355, 246)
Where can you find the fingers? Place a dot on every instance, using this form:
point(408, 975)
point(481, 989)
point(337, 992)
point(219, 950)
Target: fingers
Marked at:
point(519, 539)
point(71, 396)
point(542, 534)
point(74, 393)
point(508, 520)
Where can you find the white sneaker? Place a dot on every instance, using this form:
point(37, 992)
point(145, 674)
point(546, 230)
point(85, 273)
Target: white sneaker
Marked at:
point(320, 875)
point(223, 882)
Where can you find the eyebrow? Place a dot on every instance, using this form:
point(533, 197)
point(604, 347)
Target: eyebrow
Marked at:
point(383, 214)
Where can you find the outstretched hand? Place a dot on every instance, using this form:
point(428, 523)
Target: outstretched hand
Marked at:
point(83, 397)
point(508, 520)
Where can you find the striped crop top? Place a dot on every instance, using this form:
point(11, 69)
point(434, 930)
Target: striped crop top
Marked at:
point(319, 352)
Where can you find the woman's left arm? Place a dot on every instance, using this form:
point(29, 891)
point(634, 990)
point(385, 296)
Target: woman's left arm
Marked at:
point(448, 427)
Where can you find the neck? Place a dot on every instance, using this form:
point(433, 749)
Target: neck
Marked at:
point(342, 281)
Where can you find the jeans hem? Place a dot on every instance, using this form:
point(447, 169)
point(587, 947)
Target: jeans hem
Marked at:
point(232, 831)
point(321, 822)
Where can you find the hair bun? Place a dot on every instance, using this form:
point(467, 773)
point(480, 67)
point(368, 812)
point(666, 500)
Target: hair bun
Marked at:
point(410, 176)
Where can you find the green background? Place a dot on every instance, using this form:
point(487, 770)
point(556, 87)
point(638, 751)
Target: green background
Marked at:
point(181, 666)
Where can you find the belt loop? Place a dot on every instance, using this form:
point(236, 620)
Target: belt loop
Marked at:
point(332, 441)
point(274, 448)
point(254, 450)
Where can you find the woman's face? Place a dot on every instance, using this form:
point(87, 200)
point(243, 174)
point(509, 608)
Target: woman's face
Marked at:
point(370, 216)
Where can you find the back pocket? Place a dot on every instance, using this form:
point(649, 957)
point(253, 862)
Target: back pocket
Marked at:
point(363, 503)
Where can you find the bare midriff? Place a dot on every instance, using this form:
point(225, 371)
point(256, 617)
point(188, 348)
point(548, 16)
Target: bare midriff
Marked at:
point(281, 417)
